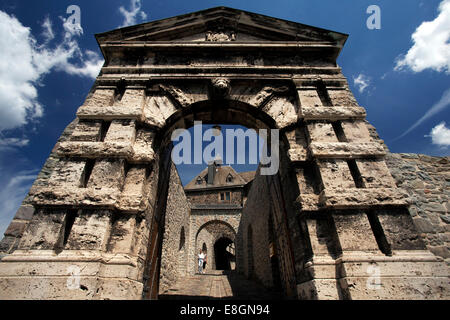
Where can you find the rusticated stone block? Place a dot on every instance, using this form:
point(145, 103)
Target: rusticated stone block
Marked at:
point(152, 113)
point(342, 98)
point(349, 198)
point(87, 131)
point(90, 230)
point(122, 235)
point(24, 213)
point(15, 229)
point(323, 236)
point(109, 113)
point(321, 132)
point(94, 150)
point(158, 109)
point(133, 98)
point(297, 145)
point(283, 110)
point(309, 98)
point(335, 174)
point(44, 231)
point(67, 173)
point(102, 197)
point(143, 147)
point(346, 150)
point(356, 131)
point(121, 131)
point(354, 231)
point(100, 98)
point(375, 173)
point(331, 114)
point(133, 191)
point(107, 173)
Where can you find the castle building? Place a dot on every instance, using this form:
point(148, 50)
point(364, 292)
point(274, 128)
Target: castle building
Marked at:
point(218, 192)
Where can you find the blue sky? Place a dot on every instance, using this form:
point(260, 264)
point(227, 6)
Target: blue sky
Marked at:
point(47, 70)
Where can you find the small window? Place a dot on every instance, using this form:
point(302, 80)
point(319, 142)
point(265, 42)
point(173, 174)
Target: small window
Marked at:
point(230, 178)
point(199, 180)
point(225, 196)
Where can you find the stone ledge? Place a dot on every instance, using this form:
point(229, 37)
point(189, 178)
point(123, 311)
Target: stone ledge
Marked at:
point(346, 150)
point(332, 113)
point(362, 198)
point(105, 197)
point(95, 150)
point(110, 113)
point(71, 256)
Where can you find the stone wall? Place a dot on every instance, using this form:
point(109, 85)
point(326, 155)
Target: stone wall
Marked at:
point(174, 247)
point(427, 181)
point(213, 196)
point(259, 241)
point(254, 233)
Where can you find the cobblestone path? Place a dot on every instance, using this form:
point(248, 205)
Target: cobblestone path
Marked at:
point(218, 285)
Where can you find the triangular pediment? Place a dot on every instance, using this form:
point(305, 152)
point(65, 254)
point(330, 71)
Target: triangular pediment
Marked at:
point(222, 24)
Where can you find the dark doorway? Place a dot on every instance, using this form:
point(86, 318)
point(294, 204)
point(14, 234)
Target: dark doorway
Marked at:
point(222, 254)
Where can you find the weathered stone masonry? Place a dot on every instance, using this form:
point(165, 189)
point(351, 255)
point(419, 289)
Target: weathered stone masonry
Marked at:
point(104, 196)
point(427, 181)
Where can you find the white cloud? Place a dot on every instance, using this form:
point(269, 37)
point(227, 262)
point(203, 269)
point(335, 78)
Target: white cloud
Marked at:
point(13, 142)
point(431, 49)
point(440, 135)
point(48, 30)
point(72, 28)
point(12, 194)
point(24, 62)
point(361, 82)
point(436, 108)
point(131, 16)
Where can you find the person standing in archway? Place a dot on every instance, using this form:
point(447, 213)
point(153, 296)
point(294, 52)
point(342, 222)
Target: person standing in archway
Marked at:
point(205, 261)
point(201, 257)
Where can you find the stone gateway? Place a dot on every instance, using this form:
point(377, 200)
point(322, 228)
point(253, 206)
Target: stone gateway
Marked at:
point(109, 214)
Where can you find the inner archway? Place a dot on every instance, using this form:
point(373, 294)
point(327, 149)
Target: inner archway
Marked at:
point(224, 254)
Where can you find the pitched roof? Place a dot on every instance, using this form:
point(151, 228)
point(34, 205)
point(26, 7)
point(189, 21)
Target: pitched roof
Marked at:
point(220, 178)
point(246, 26)
point(247, 175)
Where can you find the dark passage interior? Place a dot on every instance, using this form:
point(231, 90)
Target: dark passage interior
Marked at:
point(223, 257)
